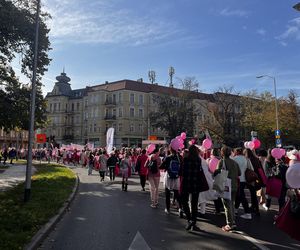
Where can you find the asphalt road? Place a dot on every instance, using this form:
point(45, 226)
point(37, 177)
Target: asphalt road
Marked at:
point(104, 217)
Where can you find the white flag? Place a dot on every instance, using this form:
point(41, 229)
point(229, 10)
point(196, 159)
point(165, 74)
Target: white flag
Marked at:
point(109, 140)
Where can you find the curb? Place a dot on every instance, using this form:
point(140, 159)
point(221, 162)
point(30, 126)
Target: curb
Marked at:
point(40, 236)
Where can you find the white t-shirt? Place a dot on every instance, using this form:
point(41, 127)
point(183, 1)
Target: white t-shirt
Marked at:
point(242, 162)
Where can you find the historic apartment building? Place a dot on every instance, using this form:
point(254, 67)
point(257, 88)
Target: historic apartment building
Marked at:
point(84, 115)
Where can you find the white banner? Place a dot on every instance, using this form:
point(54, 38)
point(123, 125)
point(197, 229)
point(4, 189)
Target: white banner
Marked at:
point(109, 140)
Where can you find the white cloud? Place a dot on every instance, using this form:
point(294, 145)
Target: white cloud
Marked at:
point(101, 22)
point(238, 13)
point(261, 32)
point(292, 31)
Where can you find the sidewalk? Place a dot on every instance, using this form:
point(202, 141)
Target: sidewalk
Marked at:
point(12, 176)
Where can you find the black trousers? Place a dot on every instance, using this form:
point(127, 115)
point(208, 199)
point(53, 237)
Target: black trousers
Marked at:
point(190, 215)
point(254, 201)
point(112, 173)
point(143, 180)
point(241, 198)
point(168, 197)
point(102, 174)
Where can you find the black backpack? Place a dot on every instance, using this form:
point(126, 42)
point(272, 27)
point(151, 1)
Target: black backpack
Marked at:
point(152, 166)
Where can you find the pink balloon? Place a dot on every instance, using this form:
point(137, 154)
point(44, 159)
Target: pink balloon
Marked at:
point(293, 175)
point(256, 143)
point(207, 143)
point(276, 153)
point(150, 148)
point(175, 144)
point(213, 163)
point(251, 145)
point(183, 135)
point(282, 150)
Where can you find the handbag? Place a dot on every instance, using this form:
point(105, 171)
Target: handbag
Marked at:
point(274, 186)
point(250, 175)
point(226, 194)
point(220, 179)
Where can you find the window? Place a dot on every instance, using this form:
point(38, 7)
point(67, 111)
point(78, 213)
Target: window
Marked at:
point(78, 106)
point(91, 128)
point(50, 107)
point(55, 107)
point(131, 128)
point(114, 112)
point(120, 127)
point(86, 103)
point(141, 99)
point(95, 128)
point(72, 106)
point(120, 112)
point(141, 127)
point(141, 113)
point(59, 106)
point(131, 98)
point(131, 112)
point(72, 119)
point(120, 97)
point(106, 112)
point(114, 98)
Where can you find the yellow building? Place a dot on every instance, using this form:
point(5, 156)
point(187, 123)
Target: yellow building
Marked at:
point(84, 115)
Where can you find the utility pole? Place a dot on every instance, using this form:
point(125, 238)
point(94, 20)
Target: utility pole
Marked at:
point(32, 108)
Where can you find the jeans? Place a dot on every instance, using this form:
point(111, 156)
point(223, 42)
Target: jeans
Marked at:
point(90, 170)
point(190, 215)
point(241, 198)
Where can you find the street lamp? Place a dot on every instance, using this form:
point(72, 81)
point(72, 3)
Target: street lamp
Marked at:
point(276, 104)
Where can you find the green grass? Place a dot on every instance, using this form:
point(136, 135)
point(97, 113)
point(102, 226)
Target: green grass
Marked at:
point(51, 186)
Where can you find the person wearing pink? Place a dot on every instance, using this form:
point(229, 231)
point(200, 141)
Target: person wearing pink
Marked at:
point(154, 176)
point(141, 168)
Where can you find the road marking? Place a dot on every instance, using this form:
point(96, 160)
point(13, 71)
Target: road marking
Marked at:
point(253, 241)
point(139, 243)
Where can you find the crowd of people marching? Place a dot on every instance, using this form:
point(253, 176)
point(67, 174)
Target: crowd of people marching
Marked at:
point(197, 176)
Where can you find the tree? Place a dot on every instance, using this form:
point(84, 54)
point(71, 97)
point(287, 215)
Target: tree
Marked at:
point(189, 83)
point(173, 114)
point(223, 116)
point(17, 31)
point(259, 115)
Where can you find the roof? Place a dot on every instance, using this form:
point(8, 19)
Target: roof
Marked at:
point(148, 88)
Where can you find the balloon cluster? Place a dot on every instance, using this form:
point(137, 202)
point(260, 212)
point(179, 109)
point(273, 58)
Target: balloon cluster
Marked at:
point(277, 153)
point(178, 142)
point(254, 144)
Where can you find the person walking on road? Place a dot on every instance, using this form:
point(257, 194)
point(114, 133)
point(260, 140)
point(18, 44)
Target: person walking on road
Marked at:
point(141, 168)
point(153, 163)
point(111, 163)
point(233, 174)
point(91, 163)
point(125, 167)
point(103, 164)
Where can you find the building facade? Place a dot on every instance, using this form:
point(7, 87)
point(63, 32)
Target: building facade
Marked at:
point(84, 115)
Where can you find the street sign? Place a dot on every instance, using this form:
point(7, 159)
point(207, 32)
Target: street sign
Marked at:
point(41, 138)
point(278, 143)
point(277, 132)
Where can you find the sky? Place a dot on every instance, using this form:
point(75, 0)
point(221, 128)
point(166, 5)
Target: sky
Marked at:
point(219, 42)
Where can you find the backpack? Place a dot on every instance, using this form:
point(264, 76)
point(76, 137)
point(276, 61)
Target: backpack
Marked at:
point(152, 166)
point(173, 170)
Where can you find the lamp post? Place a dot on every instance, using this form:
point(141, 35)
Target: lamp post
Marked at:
point(32, 109)
point(276, 104)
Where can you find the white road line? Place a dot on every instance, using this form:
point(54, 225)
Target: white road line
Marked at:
point(252, 240)
point(139, 243)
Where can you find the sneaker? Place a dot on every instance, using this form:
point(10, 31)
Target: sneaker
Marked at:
point(167, 211)
point(265, 207)
point(180, 213)
point(195, 228)
point(153, 206)
point(246, 216)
